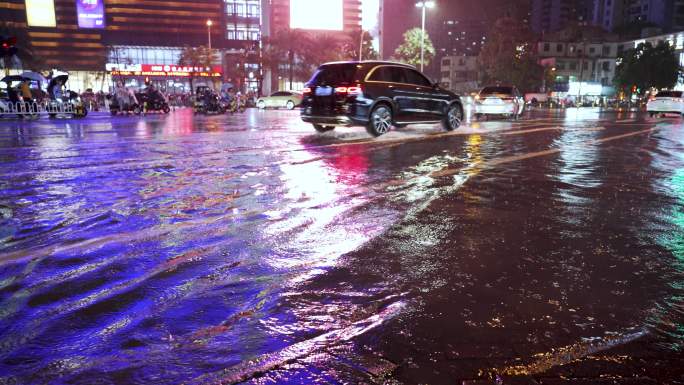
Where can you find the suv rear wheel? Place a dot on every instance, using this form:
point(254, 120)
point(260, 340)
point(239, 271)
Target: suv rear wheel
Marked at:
point(380, 120)
point(322, 128)
point(453, 118)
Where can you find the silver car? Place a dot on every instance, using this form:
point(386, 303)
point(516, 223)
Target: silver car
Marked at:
point(499, 100)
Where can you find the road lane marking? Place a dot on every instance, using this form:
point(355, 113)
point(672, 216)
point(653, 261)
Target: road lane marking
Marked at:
point(419, 138)
point(568, 354)
point(516, 158)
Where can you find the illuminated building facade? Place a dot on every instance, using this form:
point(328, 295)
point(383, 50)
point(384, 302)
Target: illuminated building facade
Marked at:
point(94, 38)
point(328, 17)
point(315, 15)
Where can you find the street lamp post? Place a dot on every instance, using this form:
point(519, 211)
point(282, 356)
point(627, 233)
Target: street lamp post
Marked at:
point(423, 5)
point(209, 24)
point(361, 45)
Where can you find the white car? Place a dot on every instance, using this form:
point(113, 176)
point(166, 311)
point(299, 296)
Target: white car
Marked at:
point(666, 102)
point(280, 99)
point(499, 100)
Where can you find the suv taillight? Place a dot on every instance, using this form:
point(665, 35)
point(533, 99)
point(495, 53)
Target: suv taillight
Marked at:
point(306, 91)
point(349, 90)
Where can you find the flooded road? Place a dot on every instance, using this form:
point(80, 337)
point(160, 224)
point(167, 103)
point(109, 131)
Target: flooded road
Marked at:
point(249, 249)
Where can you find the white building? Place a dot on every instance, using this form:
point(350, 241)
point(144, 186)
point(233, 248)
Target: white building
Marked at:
point(459, 73)
point(580, 68)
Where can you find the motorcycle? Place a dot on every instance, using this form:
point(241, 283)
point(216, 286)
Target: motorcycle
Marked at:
point(153, 101)
point(130, 107)
point(68, 103)
point(237, 104)
point(208, 102)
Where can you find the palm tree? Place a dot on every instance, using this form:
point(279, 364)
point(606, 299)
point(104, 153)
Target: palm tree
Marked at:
point(285, 48)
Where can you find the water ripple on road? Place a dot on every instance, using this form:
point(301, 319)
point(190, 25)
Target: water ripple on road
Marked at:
point(203, 250)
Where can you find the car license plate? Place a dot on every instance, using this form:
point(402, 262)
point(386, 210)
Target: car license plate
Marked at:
point(323, 91)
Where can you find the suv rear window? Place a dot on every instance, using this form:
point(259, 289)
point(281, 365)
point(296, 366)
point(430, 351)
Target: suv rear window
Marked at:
point(669, 94)
point(334, 74)
point(497, 90)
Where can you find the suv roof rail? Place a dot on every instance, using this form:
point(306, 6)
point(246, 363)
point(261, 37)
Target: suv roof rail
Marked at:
point(370, 62)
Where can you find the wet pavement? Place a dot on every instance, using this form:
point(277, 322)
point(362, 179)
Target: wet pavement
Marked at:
point(249, 249)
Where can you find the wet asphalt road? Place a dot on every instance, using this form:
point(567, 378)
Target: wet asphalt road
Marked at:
point(249, 249)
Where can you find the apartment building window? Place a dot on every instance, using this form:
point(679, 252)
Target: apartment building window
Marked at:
point(573, 66)
point(605, 66)
point(592, 50)
point(242, 8)
point(559, 47)
point(446, 62)
point(242, 32)
point(606, 50)
point(547, 47)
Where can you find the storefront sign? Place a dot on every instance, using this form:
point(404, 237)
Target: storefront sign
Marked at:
point(162, 70)
point(90, 13)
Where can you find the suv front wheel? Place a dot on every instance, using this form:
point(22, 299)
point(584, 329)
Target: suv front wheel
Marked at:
point(453, 118)
point(380, 120)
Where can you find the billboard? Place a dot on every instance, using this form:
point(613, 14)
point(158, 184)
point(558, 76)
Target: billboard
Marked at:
point(90, 13)
point(40, 13)
point(316, 14)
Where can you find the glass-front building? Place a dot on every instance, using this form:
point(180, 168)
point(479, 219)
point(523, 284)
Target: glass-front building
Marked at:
point(243, 25)
point(144, 33)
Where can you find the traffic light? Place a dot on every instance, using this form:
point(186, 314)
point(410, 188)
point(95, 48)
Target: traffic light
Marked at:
point(8, 47)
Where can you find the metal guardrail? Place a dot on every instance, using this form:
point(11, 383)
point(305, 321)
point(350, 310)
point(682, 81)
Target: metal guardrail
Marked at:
point(36, 108)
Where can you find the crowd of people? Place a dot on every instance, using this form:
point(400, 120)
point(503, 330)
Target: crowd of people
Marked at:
point(96, 101)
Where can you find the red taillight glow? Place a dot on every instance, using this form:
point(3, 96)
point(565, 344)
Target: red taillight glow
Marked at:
point(348, 90)
point(306, 90)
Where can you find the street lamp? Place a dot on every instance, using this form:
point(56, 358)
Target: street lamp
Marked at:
point(209, 24)
point(361, 45)
point(423, 5)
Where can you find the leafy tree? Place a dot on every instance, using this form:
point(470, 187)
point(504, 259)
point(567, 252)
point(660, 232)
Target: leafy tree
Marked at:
point(508, 56)
point(355, 41)
point(409, 51)
point(322, 48)
point(295, 54)
point(236, 63)
point(648, 66)
point(283, 52)
point(196, 57)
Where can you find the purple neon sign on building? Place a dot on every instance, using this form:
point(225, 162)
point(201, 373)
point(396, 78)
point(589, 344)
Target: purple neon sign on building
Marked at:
point(90, 13)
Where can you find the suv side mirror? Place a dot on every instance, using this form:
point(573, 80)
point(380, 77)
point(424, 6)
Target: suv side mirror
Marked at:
point(435, 85)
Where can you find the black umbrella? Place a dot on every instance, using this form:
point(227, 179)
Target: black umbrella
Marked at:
point(62, 78)
point(13, 78)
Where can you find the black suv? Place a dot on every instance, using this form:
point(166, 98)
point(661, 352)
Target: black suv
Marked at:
point(376, 95)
